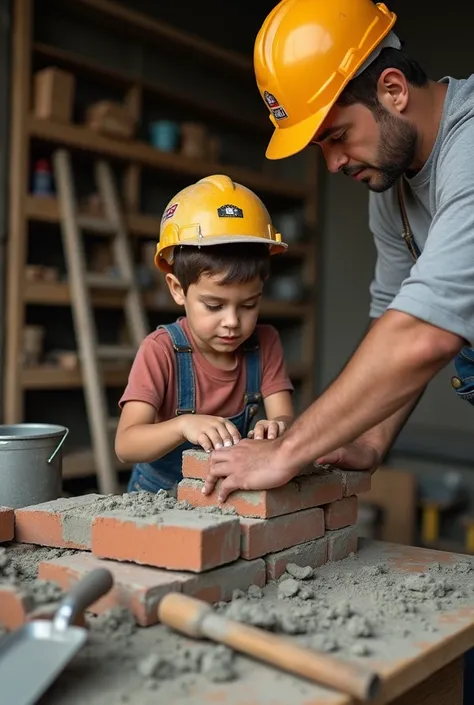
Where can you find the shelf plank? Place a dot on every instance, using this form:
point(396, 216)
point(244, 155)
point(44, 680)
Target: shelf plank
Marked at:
point(81, 463)
point(81, 64)
point(79, 137)
point(165, 34)
point(52, 377)
point(46, 209)
point(57, 294)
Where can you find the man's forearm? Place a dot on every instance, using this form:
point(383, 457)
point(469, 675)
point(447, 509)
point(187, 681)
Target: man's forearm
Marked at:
point(381, 383)
point(382, 436)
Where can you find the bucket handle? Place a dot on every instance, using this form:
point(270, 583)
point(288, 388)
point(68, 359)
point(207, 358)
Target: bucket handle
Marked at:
point(59, 445)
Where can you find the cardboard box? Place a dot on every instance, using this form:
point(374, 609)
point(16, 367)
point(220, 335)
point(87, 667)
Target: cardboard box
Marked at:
point(54, 94)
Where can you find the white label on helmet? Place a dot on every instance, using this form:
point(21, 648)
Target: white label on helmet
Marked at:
point(169, 212)
point(229, 211)
point(279, 112)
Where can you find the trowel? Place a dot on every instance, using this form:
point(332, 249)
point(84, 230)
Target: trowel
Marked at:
point(32, 657)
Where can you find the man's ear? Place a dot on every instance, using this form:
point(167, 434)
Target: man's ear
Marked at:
point(176, 290)
point(392, 90)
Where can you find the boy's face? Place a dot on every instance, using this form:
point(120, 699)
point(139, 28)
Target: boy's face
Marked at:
point(221, 316)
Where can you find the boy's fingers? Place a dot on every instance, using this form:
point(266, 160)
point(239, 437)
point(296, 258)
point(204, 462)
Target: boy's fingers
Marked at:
point(225, 438)
point(259, 433)
point(250, 434)
point(272, 430)
point(205, 442)
point(233, 432)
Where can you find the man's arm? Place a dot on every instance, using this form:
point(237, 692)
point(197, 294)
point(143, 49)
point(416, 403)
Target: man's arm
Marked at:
point(389, 370)
point(369, 450)
point(381, 383)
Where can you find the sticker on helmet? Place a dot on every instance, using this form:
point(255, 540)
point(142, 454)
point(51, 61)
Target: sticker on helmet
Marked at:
point(229, 211)
point(169, 212)
point(279, 112)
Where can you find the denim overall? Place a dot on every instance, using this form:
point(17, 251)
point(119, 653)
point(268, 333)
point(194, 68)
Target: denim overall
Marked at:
point(463, 384)
point(165, 473)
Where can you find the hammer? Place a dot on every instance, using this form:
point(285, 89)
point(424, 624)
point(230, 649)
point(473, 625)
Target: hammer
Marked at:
point(197, 619)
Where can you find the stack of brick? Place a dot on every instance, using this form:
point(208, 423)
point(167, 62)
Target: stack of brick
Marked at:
point(309, 521)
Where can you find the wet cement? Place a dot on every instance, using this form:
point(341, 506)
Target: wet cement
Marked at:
point(359, 608)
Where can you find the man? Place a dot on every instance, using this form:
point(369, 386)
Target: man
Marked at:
point(334, 74)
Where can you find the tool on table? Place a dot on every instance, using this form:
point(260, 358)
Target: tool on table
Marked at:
point(197, 619)
point(32, 657)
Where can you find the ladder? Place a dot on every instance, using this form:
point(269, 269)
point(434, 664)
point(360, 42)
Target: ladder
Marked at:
point(92, 355)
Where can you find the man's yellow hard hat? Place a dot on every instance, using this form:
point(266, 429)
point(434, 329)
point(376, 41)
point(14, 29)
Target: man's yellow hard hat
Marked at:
point(214, 211)
point(305, 53)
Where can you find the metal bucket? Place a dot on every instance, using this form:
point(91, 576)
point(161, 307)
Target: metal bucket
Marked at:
point(30, 463)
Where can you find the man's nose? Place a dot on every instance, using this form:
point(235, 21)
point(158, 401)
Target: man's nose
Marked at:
point(335, 159)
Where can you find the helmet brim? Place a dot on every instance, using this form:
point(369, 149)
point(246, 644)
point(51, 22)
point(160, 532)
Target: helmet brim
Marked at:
point(162, 263)
point(287, 141)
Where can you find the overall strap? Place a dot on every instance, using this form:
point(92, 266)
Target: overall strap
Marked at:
point(251, 350)
point(407, 233)
point(186, 388)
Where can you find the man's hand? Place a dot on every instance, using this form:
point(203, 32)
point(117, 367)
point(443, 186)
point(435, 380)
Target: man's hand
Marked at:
point(267, 429)
point(209, 432)
point(359, 455)
point(251, 465)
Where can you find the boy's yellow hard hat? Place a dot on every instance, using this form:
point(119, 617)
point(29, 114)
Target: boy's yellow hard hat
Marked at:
point(214, 211)
point(305, 53)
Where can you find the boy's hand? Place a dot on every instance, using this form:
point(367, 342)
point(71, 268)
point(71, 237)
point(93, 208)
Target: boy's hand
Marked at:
point(209, 432)
point(267, 429)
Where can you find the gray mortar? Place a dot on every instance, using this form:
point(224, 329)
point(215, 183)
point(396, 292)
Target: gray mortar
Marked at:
point(355, 609)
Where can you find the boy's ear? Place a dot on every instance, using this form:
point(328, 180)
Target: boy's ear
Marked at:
point(176, 290)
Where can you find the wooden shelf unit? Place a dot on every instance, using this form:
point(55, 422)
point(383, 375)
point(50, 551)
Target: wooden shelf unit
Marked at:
point(27, 211)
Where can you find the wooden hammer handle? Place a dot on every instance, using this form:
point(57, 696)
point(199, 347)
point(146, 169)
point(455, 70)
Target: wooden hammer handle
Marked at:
point(197, 619)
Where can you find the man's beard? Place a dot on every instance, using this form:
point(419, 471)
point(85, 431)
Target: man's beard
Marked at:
point(396, 153)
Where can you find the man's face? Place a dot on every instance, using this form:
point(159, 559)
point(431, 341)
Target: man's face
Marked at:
point(373, 147)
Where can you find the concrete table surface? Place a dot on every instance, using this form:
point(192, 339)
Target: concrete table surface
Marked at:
point(429, 670)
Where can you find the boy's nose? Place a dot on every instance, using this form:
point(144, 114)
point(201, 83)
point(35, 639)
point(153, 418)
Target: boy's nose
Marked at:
point(231, 320)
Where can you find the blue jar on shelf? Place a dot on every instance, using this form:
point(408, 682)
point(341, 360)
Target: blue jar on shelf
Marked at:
point(164, 135)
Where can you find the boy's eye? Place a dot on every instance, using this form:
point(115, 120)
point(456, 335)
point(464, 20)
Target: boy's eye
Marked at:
point(215, 307)
point(249, 305)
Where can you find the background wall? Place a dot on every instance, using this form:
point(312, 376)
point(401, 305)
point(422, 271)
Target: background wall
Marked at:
point(441, 428)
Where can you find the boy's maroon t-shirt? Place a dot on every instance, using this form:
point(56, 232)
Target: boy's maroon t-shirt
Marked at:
point(152, 378)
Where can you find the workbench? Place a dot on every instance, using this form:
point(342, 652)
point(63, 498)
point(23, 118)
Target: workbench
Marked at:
point(428, 672)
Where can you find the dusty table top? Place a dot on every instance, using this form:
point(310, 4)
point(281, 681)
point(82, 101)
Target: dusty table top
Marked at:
point(418, 624)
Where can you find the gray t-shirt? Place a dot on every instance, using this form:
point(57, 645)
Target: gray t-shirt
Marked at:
point(439, 287)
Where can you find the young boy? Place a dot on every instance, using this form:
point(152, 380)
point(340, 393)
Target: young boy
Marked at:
point(199, 381)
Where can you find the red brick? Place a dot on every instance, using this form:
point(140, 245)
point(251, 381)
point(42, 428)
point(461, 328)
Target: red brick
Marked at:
point(353, 481)
point(7, 522)
point(175, 539)
point(48, 524)
point(14, 607)
point(195, 464)
point(262, 536)
point(136, 587)
point(301, 493)
point(341, 513)
point(342, 543)
point(218, 585)
point(312, 553)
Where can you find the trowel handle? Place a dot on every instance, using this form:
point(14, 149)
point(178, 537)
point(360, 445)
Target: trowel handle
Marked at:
point(197, 619)
point(86, 591)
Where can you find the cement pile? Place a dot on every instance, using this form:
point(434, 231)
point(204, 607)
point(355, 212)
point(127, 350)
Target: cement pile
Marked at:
point(140, 504)
point(354, 610)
